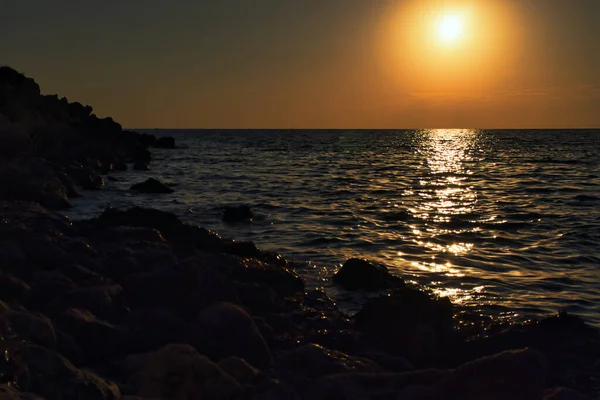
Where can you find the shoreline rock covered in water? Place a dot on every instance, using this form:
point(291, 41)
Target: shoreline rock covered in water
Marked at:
point(137, 303)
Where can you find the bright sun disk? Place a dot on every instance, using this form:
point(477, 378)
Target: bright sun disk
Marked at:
point(450, 28)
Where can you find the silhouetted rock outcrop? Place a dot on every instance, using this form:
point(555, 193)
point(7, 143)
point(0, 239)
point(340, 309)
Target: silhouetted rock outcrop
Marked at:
point(70, 144)
point(151, 186)
point(357, 274)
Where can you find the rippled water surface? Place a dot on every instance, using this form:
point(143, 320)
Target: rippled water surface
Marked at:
point(505, 221)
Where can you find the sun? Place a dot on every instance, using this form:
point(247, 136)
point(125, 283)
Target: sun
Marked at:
point(450, 28)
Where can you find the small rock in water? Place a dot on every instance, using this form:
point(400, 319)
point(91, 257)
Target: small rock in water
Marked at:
point(237, 214)
point(151, 186)
point(357, 274)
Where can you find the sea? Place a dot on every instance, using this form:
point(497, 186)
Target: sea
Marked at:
point(504, 222)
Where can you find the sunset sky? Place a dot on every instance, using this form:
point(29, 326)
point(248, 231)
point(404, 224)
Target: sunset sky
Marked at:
point(314, 63)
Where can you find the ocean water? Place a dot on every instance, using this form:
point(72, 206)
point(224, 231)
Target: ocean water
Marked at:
point(504, 222)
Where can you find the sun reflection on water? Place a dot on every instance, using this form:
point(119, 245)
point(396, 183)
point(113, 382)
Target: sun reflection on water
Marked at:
point(442, 197)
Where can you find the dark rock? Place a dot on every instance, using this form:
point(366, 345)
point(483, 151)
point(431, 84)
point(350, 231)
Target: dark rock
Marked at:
point(408, 322)
point(258, 296)
point(282, 280)
point(151, 186)
point(105, 301)
point(237, 214)
point(314, 361)
point(177, 371)
point(389, 362)
point(271, 389)
point(162, 221)
point(239, 369)
point(150, 329)
point(354, 385)
point(27, 326)
point(225, 330)
point(357, 274)
point(52, 376)
point(564, 394)
point(12, 289)
point(516, 374)
point(165, 142)
point(184, 291)
point(112, 178)
point(97, 339)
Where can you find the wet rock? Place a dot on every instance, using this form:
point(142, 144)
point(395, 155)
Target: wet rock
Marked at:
point(150, 329)
point(52, 376)
point(10, 393)
point(239, 369)
point(105, 301)
point(225, 330)
point(407, 322)
point(12, 289)
point(358, 274)
point(258, 296)
point(282, 280)
point(96, 338)
point(165, 142)
point(564, 394)
point(516, 374)
point(237, 214)
point(162, 221)
point(271, 389)
point(389, 362)
point(314, 361)
point(151, 186)
point(28, 326)
point(179, 372)
point(369, 386)
point(48, 286)
point(184, 291)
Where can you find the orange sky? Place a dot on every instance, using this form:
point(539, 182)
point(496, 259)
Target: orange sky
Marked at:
point(315, 64)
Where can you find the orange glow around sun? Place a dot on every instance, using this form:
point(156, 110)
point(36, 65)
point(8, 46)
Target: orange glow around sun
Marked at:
point(444, 48)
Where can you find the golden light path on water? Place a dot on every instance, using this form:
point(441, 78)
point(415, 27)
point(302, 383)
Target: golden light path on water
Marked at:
point(444, 192)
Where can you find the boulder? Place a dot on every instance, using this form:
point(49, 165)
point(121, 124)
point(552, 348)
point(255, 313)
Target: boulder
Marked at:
point(165, 222)
point(314, 361)
point(184, 291)
point(28, 326)
point(97, 339)
point(54, 377)
point(165, 142)
point(564, 394)
point(151, 186)
point(225, 330)
point(514, 374)
point(152, 328)
point(407, 322)
point(104, 301)
point(239, 369)
point(177, 371)
point(358, 274)
point(12, 289)
point(237, 214)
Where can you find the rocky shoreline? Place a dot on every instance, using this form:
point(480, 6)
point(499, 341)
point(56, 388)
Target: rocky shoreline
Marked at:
point(136, 304)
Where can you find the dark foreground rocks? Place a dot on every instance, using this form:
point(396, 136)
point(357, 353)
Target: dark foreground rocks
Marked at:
point(137, 303)
point(52, 149)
